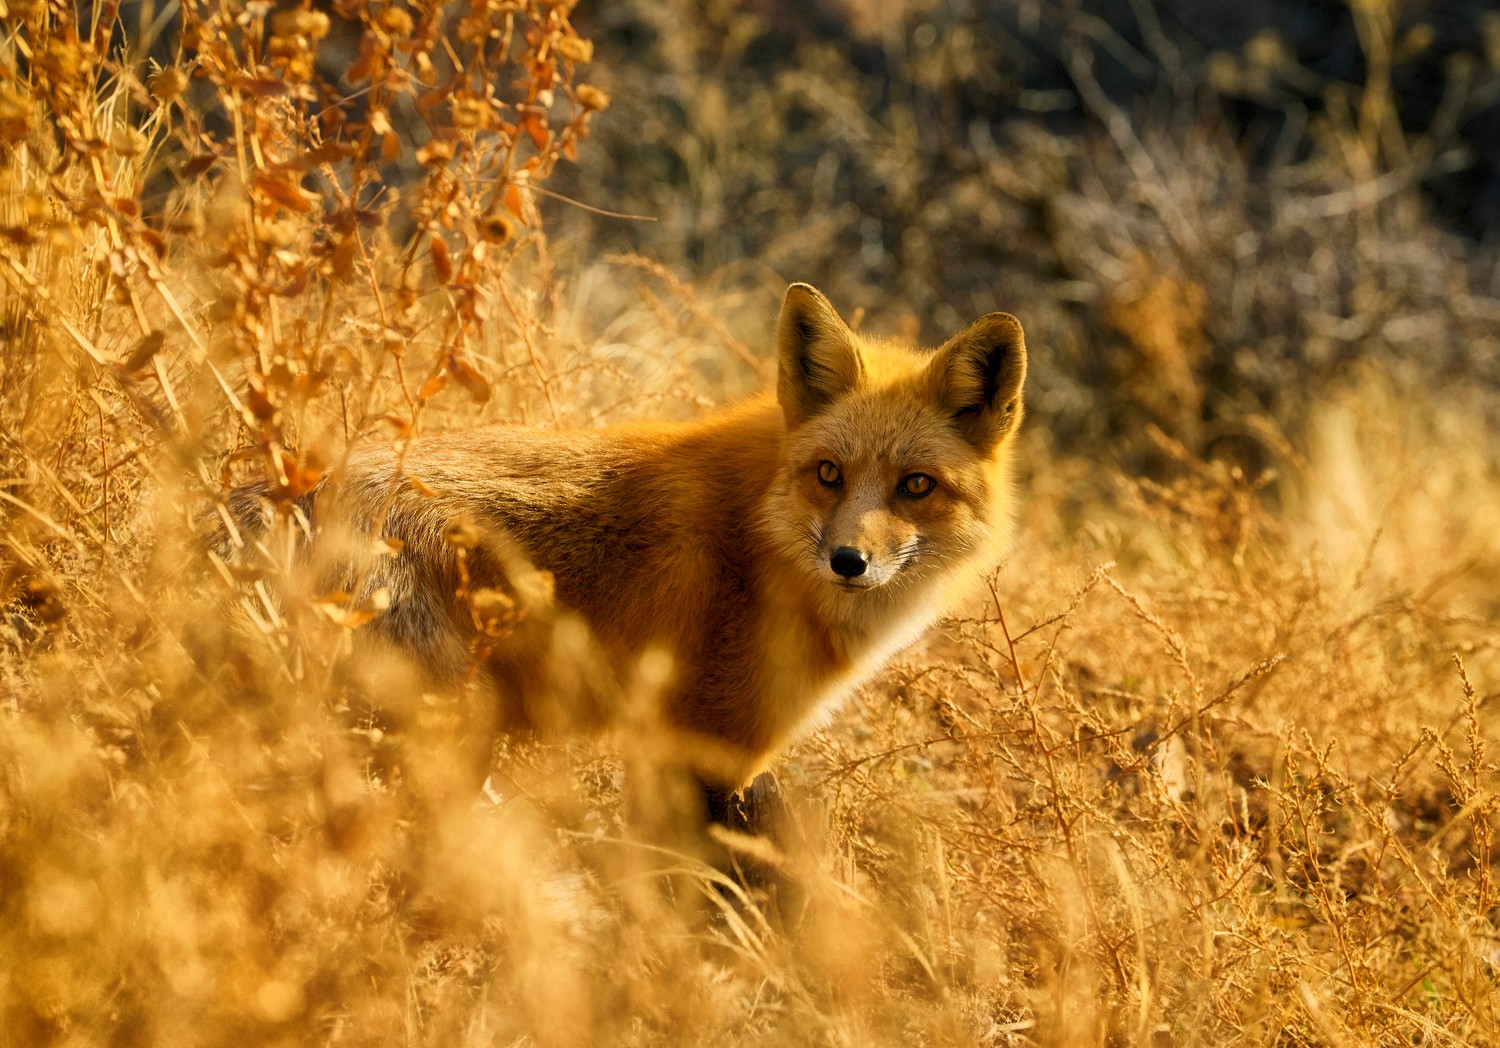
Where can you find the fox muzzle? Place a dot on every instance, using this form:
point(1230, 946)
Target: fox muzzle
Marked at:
point(848, 562)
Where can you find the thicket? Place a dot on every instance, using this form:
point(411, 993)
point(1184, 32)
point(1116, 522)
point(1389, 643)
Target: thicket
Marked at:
point(1209, 761)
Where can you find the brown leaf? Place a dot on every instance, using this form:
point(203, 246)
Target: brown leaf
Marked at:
point(245, 572)
point(469, 377)
point(402, 426)
point(196, 165)
point(262, 87)
point(514, 201)
point(335, 607)
point(145, 349)
point(300, 478)
point(154, 240)
point(535, 126)
point(327, 153)
point(361, 69)
point(288, 196)
point(295, 286)
point(388, 546)
point(433, 386)
point(375, 604)
point(442, 263)
point(344, 254)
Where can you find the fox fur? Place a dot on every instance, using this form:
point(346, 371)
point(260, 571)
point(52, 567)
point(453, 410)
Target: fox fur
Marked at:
point(746, 570)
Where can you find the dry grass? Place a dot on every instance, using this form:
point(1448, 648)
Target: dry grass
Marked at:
point(1210, 761)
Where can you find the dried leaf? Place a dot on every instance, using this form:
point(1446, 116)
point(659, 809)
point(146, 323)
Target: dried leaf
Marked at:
point(442, 263)
point(377, 603)
point(295, 286)
point(262, 87)
point(515, 202)
point(300, 479)
point(425, 490)
point(433, 386)
point(327, 153)
point(335, 608)
point(145, 349)
point(288, 196)
point(388, 546)
point(536, 126)
point(197, 165)
point(344, 254)
point(469, 377)
point(370, 52)
point(591, 98)
point(154, 241)
point(401, 425)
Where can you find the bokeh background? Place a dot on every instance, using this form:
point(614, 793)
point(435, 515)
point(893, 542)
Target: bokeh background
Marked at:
point(1204, 211)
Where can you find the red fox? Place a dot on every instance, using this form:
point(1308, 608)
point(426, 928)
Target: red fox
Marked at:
point(746, 569)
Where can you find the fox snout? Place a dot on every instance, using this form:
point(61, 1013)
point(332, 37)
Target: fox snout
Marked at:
point(865, 550)
point(848, 562)
point(856, 568)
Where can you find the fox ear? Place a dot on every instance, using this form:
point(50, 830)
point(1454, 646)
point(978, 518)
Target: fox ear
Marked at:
point(980, 374)
point(818, 358)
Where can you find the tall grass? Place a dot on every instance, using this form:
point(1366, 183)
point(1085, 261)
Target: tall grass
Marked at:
point(1208, 760)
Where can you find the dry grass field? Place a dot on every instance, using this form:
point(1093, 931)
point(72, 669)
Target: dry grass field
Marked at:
point(1209, 760)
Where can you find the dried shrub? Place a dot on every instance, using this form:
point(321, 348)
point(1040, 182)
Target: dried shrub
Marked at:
point(1200, 767)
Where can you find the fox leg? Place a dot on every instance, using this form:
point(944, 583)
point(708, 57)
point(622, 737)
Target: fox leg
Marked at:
point(759, 808)
point(718, 803)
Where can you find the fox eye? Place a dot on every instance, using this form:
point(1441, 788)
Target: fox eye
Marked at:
point(829, 474)
point(916, 485)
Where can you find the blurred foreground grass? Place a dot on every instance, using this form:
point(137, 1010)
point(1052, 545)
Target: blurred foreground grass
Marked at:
point(1210, 762)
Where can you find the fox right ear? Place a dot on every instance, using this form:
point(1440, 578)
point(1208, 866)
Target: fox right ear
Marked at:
point(980, 373)
point(818, 359)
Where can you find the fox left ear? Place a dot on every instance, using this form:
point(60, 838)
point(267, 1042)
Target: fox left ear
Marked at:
point(981, 371)
point(819, 355)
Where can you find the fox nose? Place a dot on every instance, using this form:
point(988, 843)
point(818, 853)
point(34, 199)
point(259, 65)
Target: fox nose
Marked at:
point(848, 562)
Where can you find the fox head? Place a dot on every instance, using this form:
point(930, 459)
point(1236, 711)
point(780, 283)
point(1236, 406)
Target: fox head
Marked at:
point(895, 459)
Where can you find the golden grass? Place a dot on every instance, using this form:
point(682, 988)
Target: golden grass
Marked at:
point(1209, 761)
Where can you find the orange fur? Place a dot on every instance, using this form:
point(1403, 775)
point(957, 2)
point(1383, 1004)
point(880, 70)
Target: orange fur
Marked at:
point(705, 549)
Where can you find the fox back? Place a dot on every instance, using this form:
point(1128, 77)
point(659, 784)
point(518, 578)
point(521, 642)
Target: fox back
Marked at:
point(742, 571)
